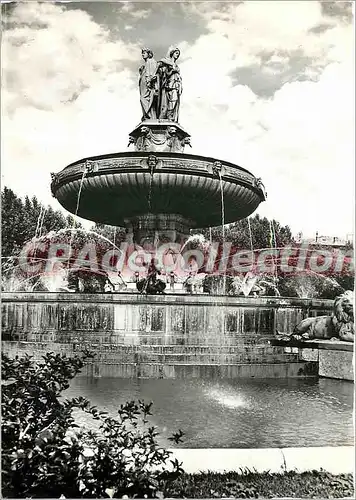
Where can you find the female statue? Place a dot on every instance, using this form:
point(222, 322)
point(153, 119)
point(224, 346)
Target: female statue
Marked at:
point(170, 84)
point(148, 86)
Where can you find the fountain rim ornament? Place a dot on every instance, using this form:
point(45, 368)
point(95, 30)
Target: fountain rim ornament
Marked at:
point(132, 154)
point(127, 175)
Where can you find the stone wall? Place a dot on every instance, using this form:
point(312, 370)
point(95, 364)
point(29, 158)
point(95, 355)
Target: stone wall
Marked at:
point(335, 359)
point(160, 336)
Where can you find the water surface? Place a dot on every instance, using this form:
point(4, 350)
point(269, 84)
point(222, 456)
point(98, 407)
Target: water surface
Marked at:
point(249, 413)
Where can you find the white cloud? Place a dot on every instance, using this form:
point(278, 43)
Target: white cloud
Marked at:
point(65, 92)
point(69, 95)
point(300, 141)
point(254, 28)
point(131, 9)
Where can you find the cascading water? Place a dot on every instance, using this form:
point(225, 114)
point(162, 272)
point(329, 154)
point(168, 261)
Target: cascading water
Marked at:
point(86, 231)
point(41, 222)
point(113, 242)
point(273, 245)
point(56, 280)
point(39, 226)
point(76, 213)
point(113, 247)
point(150, 190)
point(250, 233)
point(222, 224)
point(198, 239)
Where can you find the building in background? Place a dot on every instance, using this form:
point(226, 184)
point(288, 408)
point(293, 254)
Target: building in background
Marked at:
point(326, 240)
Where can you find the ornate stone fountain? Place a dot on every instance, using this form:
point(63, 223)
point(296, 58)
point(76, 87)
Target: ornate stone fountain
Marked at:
point(158, 192)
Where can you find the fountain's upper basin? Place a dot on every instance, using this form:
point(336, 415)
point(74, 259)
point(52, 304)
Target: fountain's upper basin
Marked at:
point(120, 186)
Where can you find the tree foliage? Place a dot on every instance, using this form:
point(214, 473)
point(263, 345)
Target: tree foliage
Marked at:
point(21, 220)
point(44, 455)
point(264, 233)
point(116, 235)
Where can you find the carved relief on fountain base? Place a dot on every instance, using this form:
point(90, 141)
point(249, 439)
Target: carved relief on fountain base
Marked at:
point(156, 229)
point(159, 136)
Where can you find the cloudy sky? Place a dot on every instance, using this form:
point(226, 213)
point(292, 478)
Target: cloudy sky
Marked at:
point(267, 85)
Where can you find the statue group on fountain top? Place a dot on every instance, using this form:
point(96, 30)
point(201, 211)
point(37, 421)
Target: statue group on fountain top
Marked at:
point(160, 86)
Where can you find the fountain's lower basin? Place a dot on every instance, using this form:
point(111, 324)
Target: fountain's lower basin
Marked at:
point(171, 336)
point(239, 413)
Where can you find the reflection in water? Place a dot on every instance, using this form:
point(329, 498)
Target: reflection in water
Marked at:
point(226, 396)
point(249, 413)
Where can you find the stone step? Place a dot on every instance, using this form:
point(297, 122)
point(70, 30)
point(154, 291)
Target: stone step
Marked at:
point(211, 360)
point(196, 358)
point(167, 353)
point(136, 356)
point(199, 348)
point(132, 337)
point(146, 340)
point(202, 371)
point(246, 350)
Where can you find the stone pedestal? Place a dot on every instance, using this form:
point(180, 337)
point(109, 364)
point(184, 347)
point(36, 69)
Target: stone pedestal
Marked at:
point(335, 358)
point(154, 230)
point(159, 136)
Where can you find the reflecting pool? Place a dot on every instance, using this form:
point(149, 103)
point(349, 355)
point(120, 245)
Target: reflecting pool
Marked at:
point(249, 413)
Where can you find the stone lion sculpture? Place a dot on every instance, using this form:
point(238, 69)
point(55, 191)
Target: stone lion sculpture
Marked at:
point(339, 325)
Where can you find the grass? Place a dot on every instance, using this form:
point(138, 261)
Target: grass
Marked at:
point(248, 484)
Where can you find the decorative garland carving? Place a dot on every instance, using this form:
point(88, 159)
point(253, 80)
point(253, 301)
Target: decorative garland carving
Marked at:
point(163, 137)
point(152, 162)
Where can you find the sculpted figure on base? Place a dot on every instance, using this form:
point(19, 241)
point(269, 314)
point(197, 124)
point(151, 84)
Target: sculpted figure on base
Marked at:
point(148, 85)
point(160, 86)
point(151, 285)
point(340, 325)
point(170, 83)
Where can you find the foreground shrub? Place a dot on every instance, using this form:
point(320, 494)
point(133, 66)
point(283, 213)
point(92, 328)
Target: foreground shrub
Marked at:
point(46, 455)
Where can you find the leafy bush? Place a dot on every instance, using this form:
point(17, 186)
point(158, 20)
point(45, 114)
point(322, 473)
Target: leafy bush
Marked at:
point(46, 455)
point(314, 286)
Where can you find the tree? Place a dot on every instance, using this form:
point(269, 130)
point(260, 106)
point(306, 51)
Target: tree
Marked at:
point(24, 219)
point(43, 454)
point(12, 226)
point(115, 234)
point(264, 233)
